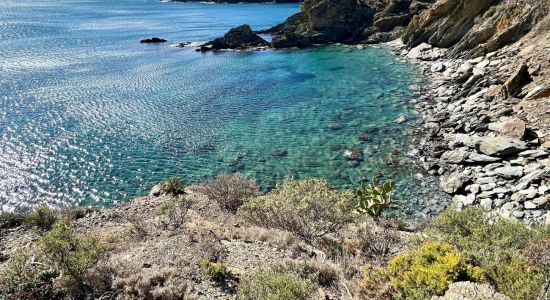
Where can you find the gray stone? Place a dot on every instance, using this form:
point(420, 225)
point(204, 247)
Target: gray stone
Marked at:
point(486, 203)
point(484, 180)
point(465, 290)
point(474, 188)
point(529, 193)
point(488, 186)
point(518, 197)
point(509, 171)
point(156, 190)
point(527, 179)
point(482, 158)
point(529, 205)
point(518, 214)
point(501, 146)
point(452, 183)
point(454, 156)
point(534, 153)
point(489, 194)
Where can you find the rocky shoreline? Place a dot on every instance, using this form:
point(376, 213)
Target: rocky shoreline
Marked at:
point(477, 139)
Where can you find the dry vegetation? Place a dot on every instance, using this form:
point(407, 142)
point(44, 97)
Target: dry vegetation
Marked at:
point(301, 241)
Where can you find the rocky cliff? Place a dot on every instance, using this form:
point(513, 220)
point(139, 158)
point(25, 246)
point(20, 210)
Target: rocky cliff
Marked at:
point(346, 21)
point(475, 27)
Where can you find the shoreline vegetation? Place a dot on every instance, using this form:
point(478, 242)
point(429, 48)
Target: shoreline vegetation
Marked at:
point(484, 131)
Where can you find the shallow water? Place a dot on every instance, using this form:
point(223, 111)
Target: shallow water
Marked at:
point(89, 115)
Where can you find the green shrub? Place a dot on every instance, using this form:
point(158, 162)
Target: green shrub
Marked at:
point(11, 220)
point(42, 218)
point(216, 271)
point(230, 191)
point(497, 245)
point(172, 186)
point(72, 253)
point(277, 285)
point(325, 273)
point(373, 199)
point(516, 278)
point(23, 279)
point(173, 213)
point(309, 208)
point(430, 270)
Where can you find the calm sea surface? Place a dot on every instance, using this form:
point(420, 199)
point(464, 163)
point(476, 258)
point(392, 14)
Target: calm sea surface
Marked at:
point(89, 115)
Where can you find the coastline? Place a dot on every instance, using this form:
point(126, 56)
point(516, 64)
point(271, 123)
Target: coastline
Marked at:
point(513, 184)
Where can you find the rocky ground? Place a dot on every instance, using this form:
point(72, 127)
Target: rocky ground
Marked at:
point(486, 116)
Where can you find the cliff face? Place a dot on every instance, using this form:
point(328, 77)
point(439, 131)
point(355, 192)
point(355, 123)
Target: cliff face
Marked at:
point(346, 21)
point(475, 27)
point(469, 27)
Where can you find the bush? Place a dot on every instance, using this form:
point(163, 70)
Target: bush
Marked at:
point(309, 208)
point(42, 218)
point(230, 191)
point(325, 273)
point(497, 245)
point(173, 213)
point(173, 186)
point(429, 271)
point(163, 284)
point(11, 220)
point(24, 279)
point(71, 253)
point(276, 285)
point(216, 271)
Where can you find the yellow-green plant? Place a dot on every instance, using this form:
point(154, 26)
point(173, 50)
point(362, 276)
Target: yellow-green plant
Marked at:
point(42, 218)
point(277, 285)
point(173, 186)
point(217, 271)
point(71, 253)
point(374, 198)
point(430, 270)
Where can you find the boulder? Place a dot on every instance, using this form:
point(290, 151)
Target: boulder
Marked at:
point(519, 78)
point(471, 291)
point(152, 40)
point(453, 183)
point(289, 39)
point(241, 37)
point(481, 158)
point(513, 128)
point(509, 171)
point(156, 190)
point(501, 146)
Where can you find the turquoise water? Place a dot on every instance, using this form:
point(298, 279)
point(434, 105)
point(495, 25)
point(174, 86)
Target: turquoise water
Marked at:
point(89, 115)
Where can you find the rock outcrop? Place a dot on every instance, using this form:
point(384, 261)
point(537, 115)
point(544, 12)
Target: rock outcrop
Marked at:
point(152, 40)
point(471, 291)
point(475, 27)
point(346, 21)
point(242, 38)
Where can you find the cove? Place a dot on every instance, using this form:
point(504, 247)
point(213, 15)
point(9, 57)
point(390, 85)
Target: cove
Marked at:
point(90, 116)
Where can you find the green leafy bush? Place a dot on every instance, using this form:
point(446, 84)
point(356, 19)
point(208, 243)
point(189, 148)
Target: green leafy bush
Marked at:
point(309, 208)
point(71, 253)
point(277, 284)
point(373, 199)
point(230, 191)
point(42, 218)
point(172, 186)
point(429, 271)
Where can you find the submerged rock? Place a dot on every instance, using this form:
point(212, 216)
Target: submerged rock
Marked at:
point(241, 37)
point(354, 154)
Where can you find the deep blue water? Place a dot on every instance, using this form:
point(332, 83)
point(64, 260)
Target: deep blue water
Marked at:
point(90, 115)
